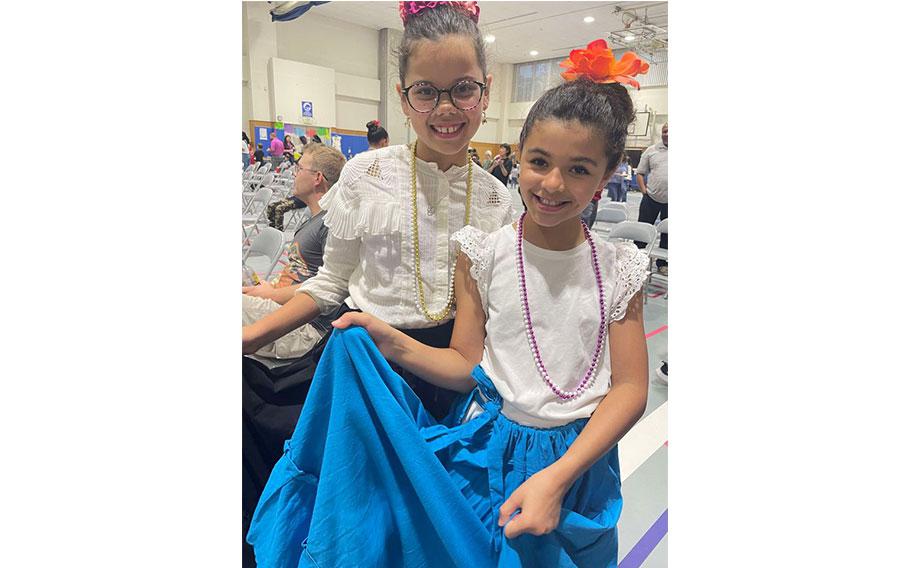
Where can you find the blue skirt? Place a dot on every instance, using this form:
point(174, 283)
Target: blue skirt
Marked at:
point(370, 478)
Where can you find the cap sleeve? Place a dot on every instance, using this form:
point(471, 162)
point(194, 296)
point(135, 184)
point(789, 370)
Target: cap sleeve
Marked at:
point(362, 201)
point(476, 245)
point(631, 269)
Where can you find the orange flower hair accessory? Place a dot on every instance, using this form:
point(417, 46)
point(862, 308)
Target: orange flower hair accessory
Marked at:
point(597, 63)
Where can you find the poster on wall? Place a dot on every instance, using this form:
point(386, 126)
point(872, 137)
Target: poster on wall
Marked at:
point(306, 109)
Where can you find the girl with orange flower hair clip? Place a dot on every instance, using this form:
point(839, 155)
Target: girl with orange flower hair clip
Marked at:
point(549, 349)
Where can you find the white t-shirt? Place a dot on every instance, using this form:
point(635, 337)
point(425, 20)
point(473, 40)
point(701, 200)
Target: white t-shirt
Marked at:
point(369, 257)
point(563, 300)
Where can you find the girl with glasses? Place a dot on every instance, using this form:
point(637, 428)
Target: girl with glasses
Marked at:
point(390, 219)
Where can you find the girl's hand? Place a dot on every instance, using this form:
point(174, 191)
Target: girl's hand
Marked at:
point(382, 333)
point(540, 501)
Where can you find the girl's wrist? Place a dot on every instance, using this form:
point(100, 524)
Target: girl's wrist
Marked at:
point(562, 475)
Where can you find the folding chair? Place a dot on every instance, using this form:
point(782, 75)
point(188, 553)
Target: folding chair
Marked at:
point(254, 212)
point(607, 218)
point(298, 217)
point(658, 253)
point(264, 252)
point(266, 181)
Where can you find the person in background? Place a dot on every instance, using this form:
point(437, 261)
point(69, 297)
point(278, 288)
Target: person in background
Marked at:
point(654, 194)
point(259, 155)
point(377, 137)
point(276, 150)
point(487, 160)
point(245, 150)
point(502, 164)
point(616, 187)
point(316, 139)
point(289, 149)
point(474, 158)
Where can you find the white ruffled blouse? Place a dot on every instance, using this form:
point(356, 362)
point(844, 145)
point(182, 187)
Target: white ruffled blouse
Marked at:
point(368, 257)
point(564, 306)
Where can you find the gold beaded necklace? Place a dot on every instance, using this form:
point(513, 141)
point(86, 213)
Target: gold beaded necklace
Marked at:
point(421, 302)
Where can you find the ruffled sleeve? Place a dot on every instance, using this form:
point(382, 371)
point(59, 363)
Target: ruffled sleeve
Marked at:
point(362, 201)
point(631, 270)
point(476, 245)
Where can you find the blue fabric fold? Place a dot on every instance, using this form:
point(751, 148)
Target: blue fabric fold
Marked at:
point(369, 478)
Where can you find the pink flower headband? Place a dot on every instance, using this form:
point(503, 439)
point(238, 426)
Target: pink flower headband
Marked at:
point(408, 9)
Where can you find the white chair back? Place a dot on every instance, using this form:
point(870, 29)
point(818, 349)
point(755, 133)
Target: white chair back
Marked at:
point(611, 215)
point(635, 231)
point(264, 251)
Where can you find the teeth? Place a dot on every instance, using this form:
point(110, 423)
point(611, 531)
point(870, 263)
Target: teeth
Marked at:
point(548, 202)
point(447, 129)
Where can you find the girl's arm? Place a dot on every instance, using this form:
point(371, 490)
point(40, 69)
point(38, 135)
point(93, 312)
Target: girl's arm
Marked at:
point(320, 293)
point(448, 368)
point(540, 497)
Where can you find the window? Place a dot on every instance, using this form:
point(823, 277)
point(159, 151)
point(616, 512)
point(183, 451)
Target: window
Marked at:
point(535, 77)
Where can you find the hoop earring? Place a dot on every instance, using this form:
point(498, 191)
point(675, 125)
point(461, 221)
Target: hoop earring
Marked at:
point(483, 117)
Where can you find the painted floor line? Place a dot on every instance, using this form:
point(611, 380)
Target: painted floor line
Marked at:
point(646, 544)
point(647, 436)
point(656, 331)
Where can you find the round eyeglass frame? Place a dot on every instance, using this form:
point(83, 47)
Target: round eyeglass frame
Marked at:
point(439, 92)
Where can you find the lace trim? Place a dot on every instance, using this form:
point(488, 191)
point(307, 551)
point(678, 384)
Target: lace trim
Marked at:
point(474, 243)
point(631, 265)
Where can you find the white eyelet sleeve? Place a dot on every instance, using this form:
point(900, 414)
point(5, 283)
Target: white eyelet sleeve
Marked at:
point(475, 244)
point(631, 269)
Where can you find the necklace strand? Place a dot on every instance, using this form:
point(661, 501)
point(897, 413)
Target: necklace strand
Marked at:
point(585, 382)
point(415, 240)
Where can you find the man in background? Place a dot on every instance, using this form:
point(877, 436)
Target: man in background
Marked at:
point(276, 150)
point(653, 164)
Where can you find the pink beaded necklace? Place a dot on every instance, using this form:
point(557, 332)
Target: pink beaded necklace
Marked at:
point(529, 326)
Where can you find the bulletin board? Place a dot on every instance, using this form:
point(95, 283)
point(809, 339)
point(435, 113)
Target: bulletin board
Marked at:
point(262, 132)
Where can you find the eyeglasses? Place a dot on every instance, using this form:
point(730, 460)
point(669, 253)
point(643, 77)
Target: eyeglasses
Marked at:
point(299, 169)
point(424, 97)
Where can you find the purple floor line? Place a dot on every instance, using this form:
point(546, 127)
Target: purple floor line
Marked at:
point(646, 545)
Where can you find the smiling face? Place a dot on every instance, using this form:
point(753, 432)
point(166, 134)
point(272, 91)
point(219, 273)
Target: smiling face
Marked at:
point(562, 165)
point(445, 131)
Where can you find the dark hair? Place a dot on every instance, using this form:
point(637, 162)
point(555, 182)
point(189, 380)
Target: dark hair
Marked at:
point(434, 23)
point(245, 137)
point(376, 133)
point(317, 139)
point(605, 107)
point(507, 147)
point(260, 146)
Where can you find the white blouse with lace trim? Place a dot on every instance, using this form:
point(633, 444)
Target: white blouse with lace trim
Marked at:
point(368, 257)
point(562, 295)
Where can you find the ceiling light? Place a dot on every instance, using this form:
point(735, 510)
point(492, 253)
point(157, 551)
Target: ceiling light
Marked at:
point(533, 53)
point(588, 19)
point(629, 37)
point(489, 38)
